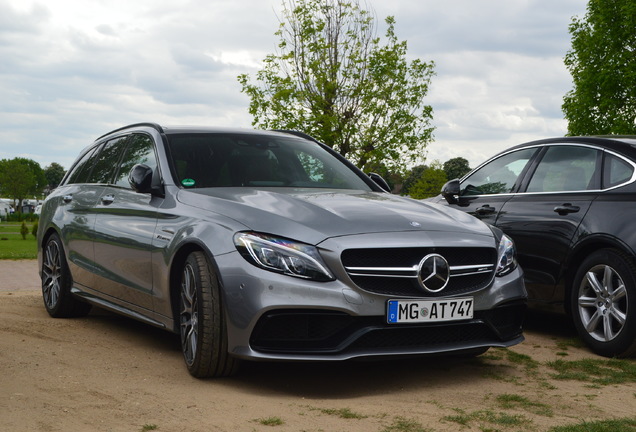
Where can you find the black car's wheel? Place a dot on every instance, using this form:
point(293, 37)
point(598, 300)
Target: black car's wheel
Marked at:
point(56, 283)
point(202, 321)
point(604, 303)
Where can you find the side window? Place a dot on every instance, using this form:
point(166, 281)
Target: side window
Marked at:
point(565, 168)
point(499, 175)
point(616, 171)
point(108, 158)
point(81, 170)
point(139, 151)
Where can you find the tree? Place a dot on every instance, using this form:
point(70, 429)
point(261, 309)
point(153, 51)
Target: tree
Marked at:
point(412, 177)
point(54, 174)
point(21, 178)
point(430, 183)
point(332, 79)
point(603, 68)
point(456, 168)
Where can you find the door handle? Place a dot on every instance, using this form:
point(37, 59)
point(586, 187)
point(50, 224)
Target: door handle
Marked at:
point(108, 199)
point(485, 210)
point(566, 209)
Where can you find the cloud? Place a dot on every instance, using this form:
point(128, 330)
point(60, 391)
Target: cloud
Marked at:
point(73, 71)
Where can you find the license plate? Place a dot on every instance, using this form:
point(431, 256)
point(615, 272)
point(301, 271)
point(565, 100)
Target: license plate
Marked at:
point(414, 311)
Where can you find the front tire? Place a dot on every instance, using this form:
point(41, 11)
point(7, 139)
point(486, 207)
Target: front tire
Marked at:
point(57, 282)
point(202, 321)
point(604, 303)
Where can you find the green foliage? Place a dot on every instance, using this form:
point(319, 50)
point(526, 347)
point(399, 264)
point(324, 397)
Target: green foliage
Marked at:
point(332, 78)
point(34, 230)
point(430, 183)
point(54, 174)
point(24, 230)
point(21, 178)
point(412, 177)
point(456, 168)
point(601, 62)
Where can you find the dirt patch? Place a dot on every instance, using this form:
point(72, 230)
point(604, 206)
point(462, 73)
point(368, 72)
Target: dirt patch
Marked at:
point(108, 373)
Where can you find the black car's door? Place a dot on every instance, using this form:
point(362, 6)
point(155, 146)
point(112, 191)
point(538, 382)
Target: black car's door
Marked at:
point(124, 227)
point(544, 217)
point(488, 188)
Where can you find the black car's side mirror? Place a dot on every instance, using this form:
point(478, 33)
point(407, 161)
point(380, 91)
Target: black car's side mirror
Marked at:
point(140, 178)
point(450, 191)
point(377, 178)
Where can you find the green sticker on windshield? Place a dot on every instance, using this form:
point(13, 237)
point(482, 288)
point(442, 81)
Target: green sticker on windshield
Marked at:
point(188, 182)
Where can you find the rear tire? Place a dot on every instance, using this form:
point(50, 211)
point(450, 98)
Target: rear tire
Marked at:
point(603, 302)
point(57, 282)
point(202, 321)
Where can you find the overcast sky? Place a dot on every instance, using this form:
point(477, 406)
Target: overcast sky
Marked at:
point(73, 70)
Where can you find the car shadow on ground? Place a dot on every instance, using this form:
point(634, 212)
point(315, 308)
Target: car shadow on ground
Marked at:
point(336, 380)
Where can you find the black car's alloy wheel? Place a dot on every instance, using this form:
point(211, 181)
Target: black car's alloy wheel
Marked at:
point(56, 283)
point(202, 323)
point(604, 303)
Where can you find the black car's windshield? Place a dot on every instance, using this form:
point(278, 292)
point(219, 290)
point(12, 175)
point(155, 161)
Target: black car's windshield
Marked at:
point(201, 160)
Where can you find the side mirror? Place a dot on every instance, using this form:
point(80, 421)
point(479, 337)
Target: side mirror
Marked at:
point(140, 178)
point(450, 191)
point(377, 178)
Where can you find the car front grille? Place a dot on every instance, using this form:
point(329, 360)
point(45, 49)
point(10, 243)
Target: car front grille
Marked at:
point(394, 271)
point(333, 333)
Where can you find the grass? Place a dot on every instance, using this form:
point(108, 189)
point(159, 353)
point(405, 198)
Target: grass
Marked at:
point(488, 416)
point(149, 427)
point(615, 425)
point(511, 401)
point(401, 424)
point(595, 371)
point(271, 421)
point(13, 246)
point(344, 413)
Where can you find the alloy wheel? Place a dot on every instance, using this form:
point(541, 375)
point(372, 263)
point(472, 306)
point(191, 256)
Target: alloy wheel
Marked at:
point(603, 303)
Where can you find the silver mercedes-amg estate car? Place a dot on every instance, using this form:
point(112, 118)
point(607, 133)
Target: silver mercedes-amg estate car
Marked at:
point(270, 246)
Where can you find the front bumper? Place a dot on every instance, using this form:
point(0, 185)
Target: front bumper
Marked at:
point(277, 317)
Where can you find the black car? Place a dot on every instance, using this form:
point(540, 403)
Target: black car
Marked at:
point(569, 204)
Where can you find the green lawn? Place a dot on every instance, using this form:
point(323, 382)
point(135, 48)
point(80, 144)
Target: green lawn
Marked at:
point(12, 246)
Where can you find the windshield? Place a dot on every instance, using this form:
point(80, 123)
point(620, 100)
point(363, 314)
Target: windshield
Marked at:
point(202, 160)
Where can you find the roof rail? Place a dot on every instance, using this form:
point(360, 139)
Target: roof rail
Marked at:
point(155, 126)
point(297, 133)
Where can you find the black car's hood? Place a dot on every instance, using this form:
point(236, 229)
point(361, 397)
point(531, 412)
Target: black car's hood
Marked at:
point(313, 215)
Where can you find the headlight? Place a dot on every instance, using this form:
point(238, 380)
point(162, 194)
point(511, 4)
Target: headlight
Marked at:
point(282, 256)
point(506, 257)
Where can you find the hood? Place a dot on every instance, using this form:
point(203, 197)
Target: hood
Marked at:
point(313, 215)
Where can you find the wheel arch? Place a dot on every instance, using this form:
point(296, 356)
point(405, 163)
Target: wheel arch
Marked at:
point(176, 266)
point(583, 249)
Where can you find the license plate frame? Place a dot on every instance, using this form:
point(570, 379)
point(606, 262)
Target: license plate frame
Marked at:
point(429, 311)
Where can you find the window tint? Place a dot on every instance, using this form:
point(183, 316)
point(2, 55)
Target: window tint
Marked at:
point(498, 176)
point(139, 151)
point(616, 171)
point(221, 160)
point(81, 170)
point(107, 161)
point(565, 168)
